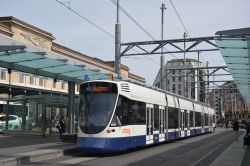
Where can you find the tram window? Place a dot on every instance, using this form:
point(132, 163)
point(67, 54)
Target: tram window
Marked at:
point(133, 111)
point(203, 120)
point(129, 112)
point(121, 111)
point(172, 118)
point(185, 118)
point(156, 117)
point(118, 114)
point(197, 119)
point(141, 117)
point(191, 122)
point(206, 119)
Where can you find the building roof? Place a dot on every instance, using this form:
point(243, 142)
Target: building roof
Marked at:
point(182, 60)
point(9, 19)
point(6, 24)
point(241, 31)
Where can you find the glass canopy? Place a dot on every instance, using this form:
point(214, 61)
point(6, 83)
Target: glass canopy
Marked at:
point(39, 64)
point(236, 53)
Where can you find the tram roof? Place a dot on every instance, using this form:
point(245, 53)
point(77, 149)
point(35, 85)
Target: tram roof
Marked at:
point(234, 45)
point(27, 59)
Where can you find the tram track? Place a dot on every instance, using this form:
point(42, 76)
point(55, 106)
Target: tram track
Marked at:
point(211, 155)
point(201, 152)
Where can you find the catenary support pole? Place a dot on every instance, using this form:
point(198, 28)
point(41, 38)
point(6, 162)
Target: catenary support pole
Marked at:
point(162, 75)
point(71, 111)
point(118, 44)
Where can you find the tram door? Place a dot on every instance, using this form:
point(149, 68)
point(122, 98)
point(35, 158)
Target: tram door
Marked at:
point(150, 123)
point(162, 123)
point(182, 123)
point(188, 122)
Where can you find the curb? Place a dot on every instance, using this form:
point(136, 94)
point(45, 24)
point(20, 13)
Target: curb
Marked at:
point(37, 156)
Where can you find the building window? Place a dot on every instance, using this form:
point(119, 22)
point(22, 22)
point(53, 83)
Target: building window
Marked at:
point(179, 78)
point(21, 78)
point(63, 85)
point(3, 75)
point(54, 84)
point(32, 80)
point(173, 88)
point(173, 72)
point(40, 81)
point(179, 86)
point(173, 79)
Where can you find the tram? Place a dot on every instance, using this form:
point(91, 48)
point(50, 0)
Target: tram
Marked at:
point(118, 115)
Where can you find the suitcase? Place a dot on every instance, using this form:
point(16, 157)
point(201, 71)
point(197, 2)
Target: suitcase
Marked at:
point(247, 140)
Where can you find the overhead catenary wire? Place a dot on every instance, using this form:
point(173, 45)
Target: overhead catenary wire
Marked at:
point(182, 22)
point(85, 19)
point(136, 22)
point(93, 24)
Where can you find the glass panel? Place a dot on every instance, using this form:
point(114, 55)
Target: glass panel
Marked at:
point(197, 119)
point(97, 102)
point(173, 118)
point(156, 117)
point(20, 57)
point(191, 119)
point(185, 119)
point(41, 63)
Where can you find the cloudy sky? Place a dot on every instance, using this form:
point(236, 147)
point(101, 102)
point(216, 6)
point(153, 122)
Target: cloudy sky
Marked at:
point(201, 17)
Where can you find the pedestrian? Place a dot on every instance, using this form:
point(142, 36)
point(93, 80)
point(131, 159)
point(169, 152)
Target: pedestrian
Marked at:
point(50, 127)
point(247, 136)
point(236, 129)
point(61, 126)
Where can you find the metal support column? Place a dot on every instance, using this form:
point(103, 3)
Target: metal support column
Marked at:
point(162, 75)
point(185, 70)
point(71, 111)
point(118, 44)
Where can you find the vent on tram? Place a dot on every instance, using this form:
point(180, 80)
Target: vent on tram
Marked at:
point(125, 87)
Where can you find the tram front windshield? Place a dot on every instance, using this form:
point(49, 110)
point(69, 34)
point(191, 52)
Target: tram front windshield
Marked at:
point(97, 102)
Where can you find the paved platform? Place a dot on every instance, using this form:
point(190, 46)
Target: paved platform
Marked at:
point(18, 150)
point(235, 155)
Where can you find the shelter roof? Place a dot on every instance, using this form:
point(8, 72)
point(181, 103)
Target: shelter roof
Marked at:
point(234, 46)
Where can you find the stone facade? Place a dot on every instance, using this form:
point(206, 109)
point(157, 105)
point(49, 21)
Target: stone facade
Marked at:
point(228, 103)
point(30, 35)
point(195, 79)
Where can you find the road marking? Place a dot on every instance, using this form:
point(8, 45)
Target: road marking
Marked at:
point(76, 160)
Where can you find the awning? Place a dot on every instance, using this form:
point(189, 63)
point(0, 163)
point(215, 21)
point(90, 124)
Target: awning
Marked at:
point(38, 64)
point(234, 46)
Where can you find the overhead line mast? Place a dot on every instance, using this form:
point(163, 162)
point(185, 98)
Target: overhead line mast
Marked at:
point(162, 75)
point(117, 44)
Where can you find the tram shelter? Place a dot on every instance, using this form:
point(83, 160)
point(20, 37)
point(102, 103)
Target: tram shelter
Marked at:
point(234, 46)
point(37, 114)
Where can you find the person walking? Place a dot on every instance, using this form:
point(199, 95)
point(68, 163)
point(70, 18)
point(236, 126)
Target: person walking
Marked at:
point(236, 129)
point(247, 136)
point(61, 126)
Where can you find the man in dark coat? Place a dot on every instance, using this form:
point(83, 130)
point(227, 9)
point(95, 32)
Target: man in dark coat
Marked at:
point(236, 129)
point(61, 126)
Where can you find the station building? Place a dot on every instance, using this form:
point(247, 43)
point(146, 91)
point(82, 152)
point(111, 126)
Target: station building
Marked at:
point(228, 103)
point(31, 97)
point(195, 78)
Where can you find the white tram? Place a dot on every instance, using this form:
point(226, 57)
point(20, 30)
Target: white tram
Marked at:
point(118, 115)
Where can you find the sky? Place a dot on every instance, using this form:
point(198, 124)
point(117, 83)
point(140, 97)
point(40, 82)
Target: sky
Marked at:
point(201, 18)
